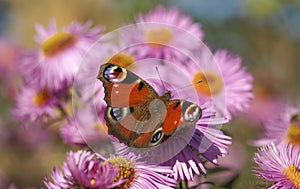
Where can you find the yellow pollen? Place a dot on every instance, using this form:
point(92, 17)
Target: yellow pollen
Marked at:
point(158, 37)
point(92, 182)
point(122, 59)
point(211, 83)
point(57, 43)
point(293, 174)
point(41, 98)
point(126, 170)
point(293, 132)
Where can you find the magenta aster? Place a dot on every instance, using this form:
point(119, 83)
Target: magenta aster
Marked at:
point(34, 104)
point(140, 175)
point(238, 82)
point(84, 170)
point(284, 129)
point(87, 170)
point(58, 58)
point(224, 80)
point(159, 33)
point(280, 165)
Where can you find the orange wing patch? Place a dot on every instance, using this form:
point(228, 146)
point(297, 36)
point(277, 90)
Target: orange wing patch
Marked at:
point(173, 117)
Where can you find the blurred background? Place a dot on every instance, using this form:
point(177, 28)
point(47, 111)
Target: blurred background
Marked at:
point(265, 33)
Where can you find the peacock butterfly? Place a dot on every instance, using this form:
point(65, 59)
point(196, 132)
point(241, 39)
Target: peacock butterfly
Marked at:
point(136, 114)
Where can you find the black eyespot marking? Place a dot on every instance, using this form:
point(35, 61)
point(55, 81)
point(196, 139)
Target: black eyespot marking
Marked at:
point(177, 104)
point(118, 69)
point(107, 71)
point(156, 137)
point(141, 86)
point(112, 114)
point(131, 109)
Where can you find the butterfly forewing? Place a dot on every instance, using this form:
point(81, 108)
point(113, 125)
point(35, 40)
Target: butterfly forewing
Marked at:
point(123, 88)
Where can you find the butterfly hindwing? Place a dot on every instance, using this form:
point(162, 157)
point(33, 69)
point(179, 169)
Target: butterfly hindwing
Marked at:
point(128, 129)
point(180, 113)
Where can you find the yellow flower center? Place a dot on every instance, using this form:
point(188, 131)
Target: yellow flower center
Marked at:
point(293, 132)
point(126, 170)
point(57, 43)
point(293, 174)
point(211, 83)
point(122, 59)
point(158, 37)
point(41, 98)
point(92, 182)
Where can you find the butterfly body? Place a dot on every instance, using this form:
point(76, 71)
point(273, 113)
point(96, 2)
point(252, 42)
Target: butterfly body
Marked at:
point(136, 114)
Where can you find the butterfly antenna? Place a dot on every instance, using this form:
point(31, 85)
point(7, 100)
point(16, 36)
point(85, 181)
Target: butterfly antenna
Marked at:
point(200, 81)
point(160, 78)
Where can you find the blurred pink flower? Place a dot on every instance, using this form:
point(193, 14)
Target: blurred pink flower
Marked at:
point(158, 34)
point(60, 54)
point(283, 127)
point(34, 104)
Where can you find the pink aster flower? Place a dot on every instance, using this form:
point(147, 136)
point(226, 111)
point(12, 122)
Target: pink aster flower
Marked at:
point(279, 165)
point(85, 170)
point(58, 58)
point(34, 104)
point(181, 151)
point(238, 83)
point(88, 170)
point(224, 81)
point(283, 128)
point(159, 33)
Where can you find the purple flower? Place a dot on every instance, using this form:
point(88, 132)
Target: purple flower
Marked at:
point(238, 82)
point(283, 128)
point(140, 175)
point(186, 148)
point(223, 80)
point(34, 104)
point(58, 58)
point(87, 170)
point(84, 169)
point(280, 165)
point(172, 16)
point(159, 33)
